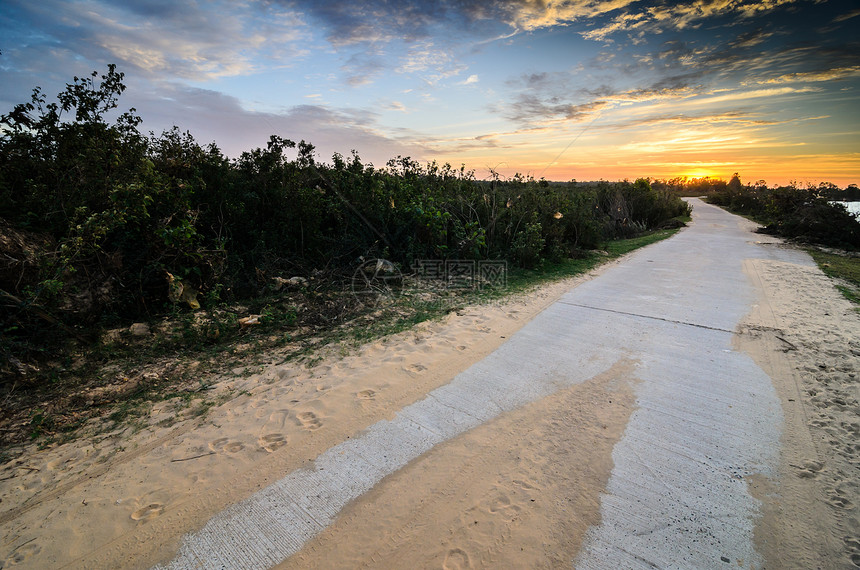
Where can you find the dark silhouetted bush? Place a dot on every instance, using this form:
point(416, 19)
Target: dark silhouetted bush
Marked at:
point(126, 219)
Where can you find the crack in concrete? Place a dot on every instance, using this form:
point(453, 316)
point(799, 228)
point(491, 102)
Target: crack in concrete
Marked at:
point(617, 312)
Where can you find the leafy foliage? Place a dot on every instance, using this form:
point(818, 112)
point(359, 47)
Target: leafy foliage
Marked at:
point(132, 219)
point(806, 214)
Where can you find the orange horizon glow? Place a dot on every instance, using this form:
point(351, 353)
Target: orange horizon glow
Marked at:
point(554, 90)
point(772, 176)
point(668, 152)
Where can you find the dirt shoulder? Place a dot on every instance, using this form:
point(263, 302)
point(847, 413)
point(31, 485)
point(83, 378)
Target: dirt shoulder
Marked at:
point(127, 496)
point(806, 336)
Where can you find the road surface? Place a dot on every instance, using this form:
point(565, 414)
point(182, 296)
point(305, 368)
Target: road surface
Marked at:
point(707, 419)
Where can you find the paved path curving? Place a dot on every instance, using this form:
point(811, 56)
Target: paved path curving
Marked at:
point(707, 416)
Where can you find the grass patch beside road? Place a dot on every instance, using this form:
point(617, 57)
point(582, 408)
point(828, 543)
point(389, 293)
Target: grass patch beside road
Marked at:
point(523, 279)
point(842, 267)
point(115, 384)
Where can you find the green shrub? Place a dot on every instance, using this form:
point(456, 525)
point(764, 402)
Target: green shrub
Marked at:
point(122, 215)
point(791, 212)
point(528, 245)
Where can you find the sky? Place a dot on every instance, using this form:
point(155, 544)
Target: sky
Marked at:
point(573, 89)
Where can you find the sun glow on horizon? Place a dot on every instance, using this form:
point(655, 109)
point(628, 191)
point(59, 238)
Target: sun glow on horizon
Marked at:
point(595, 97)
point(698, 174)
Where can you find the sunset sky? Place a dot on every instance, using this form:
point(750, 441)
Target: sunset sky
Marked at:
point(558, 89)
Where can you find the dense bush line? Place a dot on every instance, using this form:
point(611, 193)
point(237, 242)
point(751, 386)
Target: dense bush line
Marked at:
point(806, 214)
point(122, 217)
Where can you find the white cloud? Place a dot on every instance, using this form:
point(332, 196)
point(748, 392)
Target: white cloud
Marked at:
point(187, 40)
point(754, 94)
point(396, 106)
point(213, 116)
point(531, 16)
point(816, 76)
point(680, 16)
point(847, 16)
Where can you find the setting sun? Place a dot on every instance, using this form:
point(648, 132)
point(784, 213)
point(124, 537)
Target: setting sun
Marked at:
point(699, 174)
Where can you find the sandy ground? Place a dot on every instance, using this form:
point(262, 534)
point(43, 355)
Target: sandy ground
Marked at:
point(806, 336)
point(125, 499)
point(478, 502)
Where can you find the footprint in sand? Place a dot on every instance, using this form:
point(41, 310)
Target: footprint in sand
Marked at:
point(524, 485)
point(148, 512)
point(55, 464)
point(320, 371)
point(809, 469)
point(224, 444)
point(366, 395)
point(457, 559)
point(853, 546)
point(286, 374)
point(415, 368)
point(272, 441)
point(309, 420)
point(837, 500)
point(502, 505)
point(461, 347)
point(21, 555)
point(277, 420)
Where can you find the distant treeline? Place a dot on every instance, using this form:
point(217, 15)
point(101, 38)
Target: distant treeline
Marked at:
point(803, 213)
point(101, 219)
point(686, 186)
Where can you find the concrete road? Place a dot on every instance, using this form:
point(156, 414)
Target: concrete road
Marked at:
point(707, 418)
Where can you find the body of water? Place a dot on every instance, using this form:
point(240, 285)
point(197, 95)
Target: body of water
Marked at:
point(853, 207)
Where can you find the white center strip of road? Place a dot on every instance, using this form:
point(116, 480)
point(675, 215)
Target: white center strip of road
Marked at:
point(677, 497)
point(275, 522)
